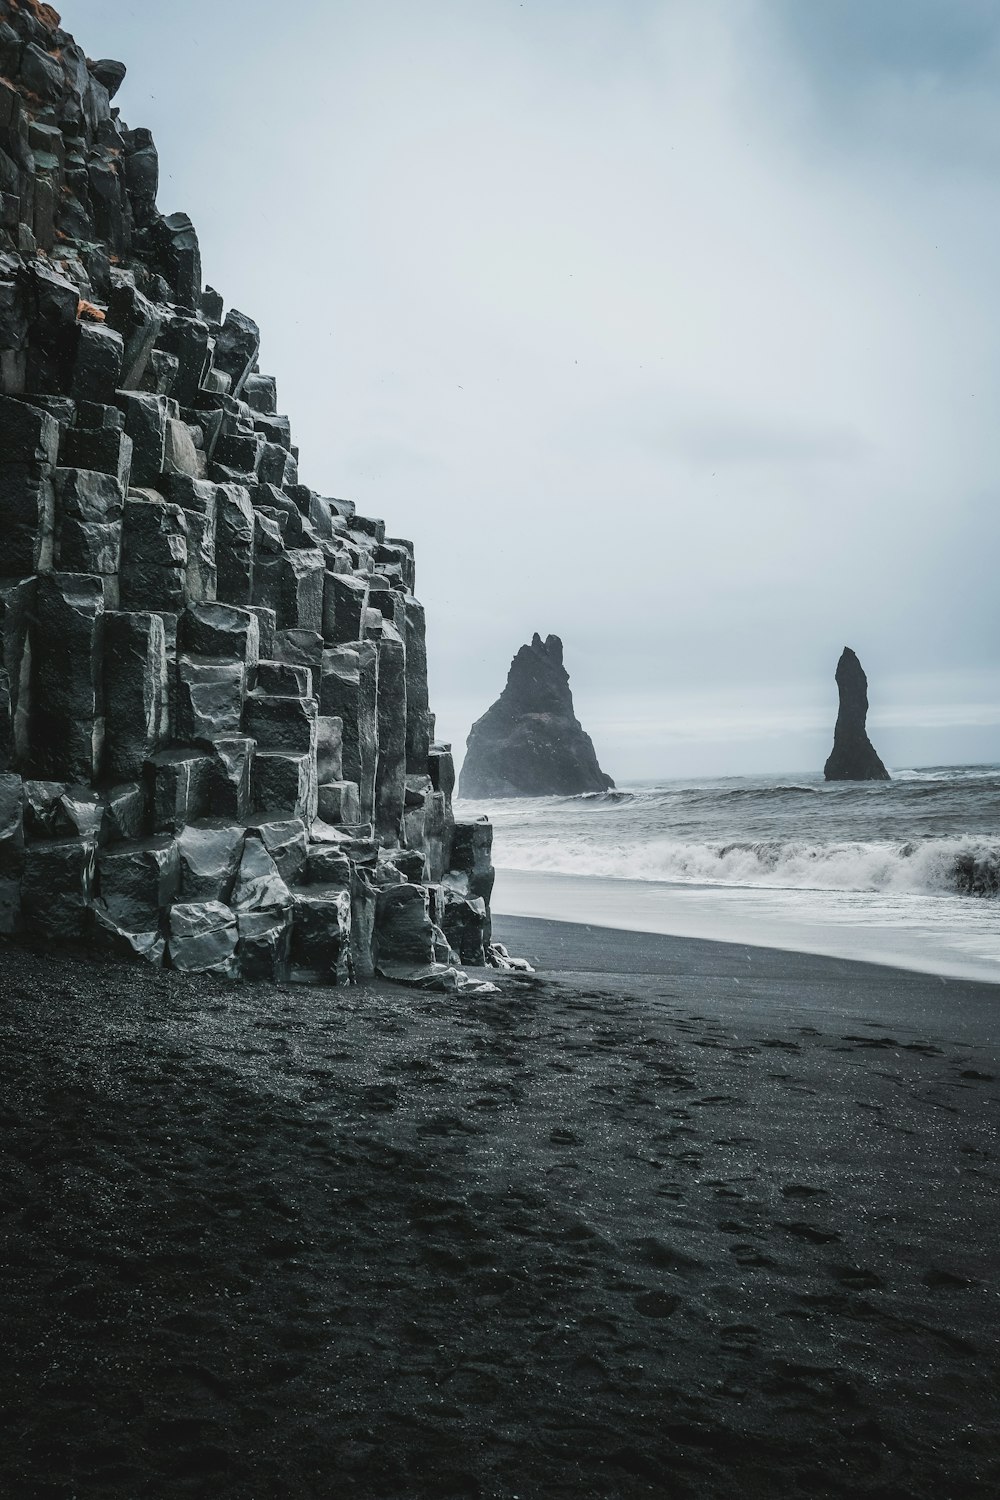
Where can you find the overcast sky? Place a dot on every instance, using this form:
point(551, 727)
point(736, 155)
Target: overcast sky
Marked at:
point(667, 326)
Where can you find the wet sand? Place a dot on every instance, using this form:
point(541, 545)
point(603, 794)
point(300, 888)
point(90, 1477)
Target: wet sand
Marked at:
point(723, 1226)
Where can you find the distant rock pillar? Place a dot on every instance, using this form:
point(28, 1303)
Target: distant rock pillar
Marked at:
point(853, 757)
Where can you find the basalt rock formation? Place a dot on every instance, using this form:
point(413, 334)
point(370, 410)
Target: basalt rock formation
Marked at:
point(853, 756)
point(216, 749)
point(530, 742)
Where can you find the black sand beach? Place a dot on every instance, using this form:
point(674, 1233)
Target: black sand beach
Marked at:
point(725, 1225)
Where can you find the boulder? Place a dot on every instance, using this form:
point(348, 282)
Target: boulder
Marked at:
point(285, 840)
point(138, 881)
point(321, 935)
point(209, 851)
point(220, 630)
point(209, 699)
point(56, 889)
point(203, 937)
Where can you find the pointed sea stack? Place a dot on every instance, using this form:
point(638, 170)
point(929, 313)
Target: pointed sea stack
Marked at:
point(853, 757)
point(530, 743)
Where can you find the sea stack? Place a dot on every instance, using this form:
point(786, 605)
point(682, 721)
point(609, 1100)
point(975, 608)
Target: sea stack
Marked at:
point(853, 757)
point(216, 747)
point(530, 742)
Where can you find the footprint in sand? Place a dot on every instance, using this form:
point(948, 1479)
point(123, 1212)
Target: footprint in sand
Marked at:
point(656, 1304)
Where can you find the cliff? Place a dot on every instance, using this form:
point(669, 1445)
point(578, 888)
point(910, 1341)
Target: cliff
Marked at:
point(215, 740)
point(530, 742)
point(853, 756)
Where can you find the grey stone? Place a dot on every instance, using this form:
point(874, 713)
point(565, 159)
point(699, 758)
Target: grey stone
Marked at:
point(161, 373)
point(281, 723)
point(339, 802)
point(101, 450)
point(154, 553)
point(41, 807)
point(27, 516)
point(260, 394)
point(418, 716)
point(276, 464)
point(264, 948)
point(259, 885)
point(181, 455)
point(203, 936)
point(11, 827)
point(285, 782)
point(30, 434)
point(97, 366)
point(348, 690)
point(236, 346)
point(285, 840)
point(239, 452)
point(301, 648)
point(136, 699)
point(209, 699)
point(291, 583)
point(138, 881)
point(187, 338)
point(436, 977)
point(345, 599)
point(279, 679)
point(109, 73)
point(199, 501)
point(328, 865)
point(364, 899)
point(179, 786)
point(56, 889)
point(403, 928)
point(466, 927)
point(117, 941)
point(471, 872)
point(125, 810)
point(230, 781)
point(17, 609)
point(146, 418)
point(220, 630)
point(80, 813)
point(390, 777)
point(138, 321)
point(321, 935)
point(209, 851)
point(265, 621)
point(67, 708)
point(234, 544)
point(330, 750)
point(178, 257)
point(441, 769)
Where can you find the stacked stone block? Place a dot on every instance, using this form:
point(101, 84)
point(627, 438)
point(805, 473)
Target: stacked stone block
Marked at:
point(216, 747)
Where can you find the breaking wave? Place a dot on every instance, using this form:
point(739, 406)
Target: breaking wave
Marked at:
point(962, 865)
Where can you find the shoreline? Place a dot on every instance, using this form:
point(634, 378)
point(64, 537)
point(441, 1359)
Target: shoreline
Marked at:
point(750, 980)
point(819, 922)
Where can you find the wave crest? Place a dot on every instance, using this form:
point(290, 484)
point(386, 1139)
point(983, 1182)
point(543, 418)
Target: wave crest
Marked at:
point(942, 866)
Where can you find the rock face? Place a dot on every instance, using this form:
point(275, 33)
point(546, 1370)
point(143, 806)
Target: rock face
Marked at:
point(216, 749)
point(530, 742)
point(853, 756)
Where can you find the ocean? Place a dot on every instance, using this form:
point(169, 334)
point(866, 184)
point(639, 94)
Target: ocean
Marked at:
point(905, 872)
